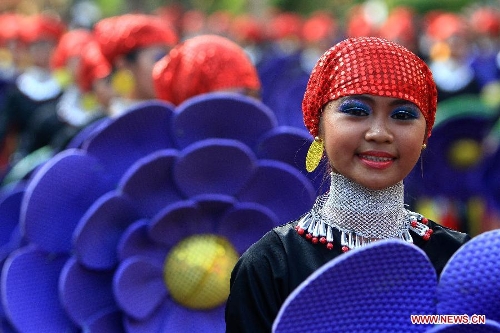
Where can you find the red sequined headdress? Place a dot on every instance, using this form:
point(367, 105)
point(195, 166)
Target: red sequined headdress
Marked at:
point(369, 65)
point(203, 64)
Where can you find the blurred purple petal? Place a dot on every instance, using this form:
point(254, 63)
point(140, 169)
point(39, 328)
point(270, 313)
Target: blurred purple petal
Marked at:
point(170, 317)
point(87, 133)
point(110, 321)
point(214, 205)
point(57, 198)
point(5, 326)
point(219, 166)
point(84, 292)
point(183, 320)
point(177, 221)
point(439, 171)
point(30, 292)
point(133, 135)
point(285, 144)
point(290, 145)
point(246, 223)
point(10, 207)
point(281, 188)
point(149, 183)
point(221, 115)
point(100, 229)
point(139, 287)
point(135, 241)
point(153, 323)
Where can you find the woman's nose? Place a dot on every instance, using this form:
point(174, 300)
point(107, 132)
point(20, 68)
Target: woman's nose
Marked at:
point(378, 131)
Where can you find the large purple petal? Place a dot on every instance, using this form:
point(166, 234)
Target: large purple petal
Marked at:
point(370, 289)
point(137, 133)
point(281, 188)
point(149, 183)
point(177, 221)
point(221, 115)
point(58, 196)
point(84, 293)
point(470, 281)
point(30, 292)
point(98, 233)
point(139, 287)
point(220, 166)
point(246, 223)
point(135, 241)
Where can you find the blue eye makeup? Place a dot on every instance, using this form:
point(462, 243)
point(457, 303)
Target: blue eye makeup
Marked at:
point(406, 112)
point(354, 107)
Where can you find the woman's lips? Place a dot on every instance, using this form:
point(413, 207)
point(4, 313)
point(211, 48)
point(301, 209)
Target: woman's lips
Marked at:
point(376, 159)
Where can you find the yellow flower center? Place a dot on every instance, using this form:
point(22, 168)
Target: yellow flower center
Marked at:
point(198, 269)
point(464, 153)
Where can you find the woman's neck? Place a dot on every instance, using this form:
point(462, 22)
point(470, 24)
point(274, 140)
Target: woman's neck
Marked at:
point(351, 207)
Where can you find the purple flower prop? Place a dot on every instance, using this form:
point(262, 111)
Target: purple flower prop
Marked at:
point(454, 152)
point(150, 197)
point(377, 288)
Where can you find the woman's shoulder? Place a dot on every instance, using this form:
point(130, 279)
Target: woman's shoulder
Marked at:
point(443, 243)
point(272, 241)
point(443, 232)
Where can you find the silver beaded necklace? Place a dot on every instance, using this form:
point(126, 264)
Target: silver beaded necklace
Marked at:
point(360, 215)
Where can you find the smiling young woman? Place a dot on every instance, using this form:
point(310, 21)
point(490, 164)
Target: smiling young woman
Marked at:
point(370, 106)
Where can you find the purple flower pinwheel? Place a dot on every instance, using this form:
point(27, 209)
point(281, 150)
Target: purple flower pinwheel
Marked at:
point(377, 288)
point(150, 215)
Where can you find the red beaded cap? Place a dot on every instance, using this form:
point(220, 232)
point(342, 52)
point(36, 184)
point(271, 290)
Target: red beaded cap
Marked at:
point(70, 45)
point(119, 35)
point(369, 65)
point(93, 65)
point(202, 64)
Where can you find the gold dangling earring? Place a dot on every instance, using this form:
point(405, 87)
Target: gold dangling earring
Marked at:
point(424, 146)
point(314, 154)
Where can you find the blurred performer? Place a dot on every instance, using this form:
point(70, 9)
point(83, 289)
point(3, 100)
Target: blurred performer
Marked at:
point(132, 44)
point(37, 85)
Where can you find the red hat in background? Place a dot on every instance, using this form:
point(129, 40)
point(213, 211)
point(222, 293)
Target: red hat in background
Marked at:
point(42, 27)
point(246, 28)
point(11, 24)
point(70, 45)
point(119, 35)
point(399, 26)
point(285, 25)
point(440, 26)
point(219, 22)
point(193, 22)
point(93, 66)
point(319, 26)
point(486, 21)
point(203, 64)
point(358, 24)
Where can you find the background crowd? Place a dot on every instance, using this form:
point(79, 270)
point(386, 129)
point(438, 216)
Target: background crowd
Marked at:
point(69, 81)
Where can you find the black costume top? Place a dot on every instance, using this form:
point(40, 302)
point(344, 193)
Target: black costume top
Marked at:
point(275, 265)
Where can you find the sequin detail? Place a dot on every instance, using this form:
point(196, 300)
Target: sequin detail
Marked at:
point(369, 65)
point(203, 64)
